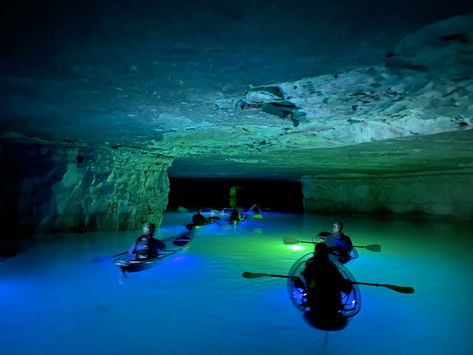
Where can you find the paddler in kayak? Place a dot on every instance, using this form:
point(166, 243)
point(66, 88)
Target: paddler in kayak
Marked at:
point(324, 284)
point(147, 246)
point(337, 242)
point(235, 217)
point(199, 220)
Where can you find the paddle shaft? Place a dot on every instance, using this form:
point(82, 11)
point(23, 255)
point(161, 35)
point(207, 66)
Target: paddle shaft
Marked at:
point(105, 258)
point(401, 289)
point(367, 283)
point(254, 275)
point(370, 247)
point(355, 246)
point(120, 254)
point(283, 276)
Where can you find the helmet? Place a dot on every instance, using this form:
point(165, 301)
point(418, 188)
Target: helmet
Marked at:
point(149, 228)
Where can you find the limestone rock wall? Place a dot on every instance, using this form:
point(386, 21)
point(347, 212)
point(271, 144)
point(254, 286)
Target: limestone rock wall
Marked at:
point(52, 188)
point(443, 194)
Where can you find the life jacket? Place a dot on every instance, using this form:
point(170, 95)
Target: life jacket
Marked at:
point(141, 249)
point(147, 248)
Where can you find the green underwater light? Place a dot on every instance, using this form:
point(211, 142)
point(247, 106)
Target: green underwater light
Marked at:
point(296, 247)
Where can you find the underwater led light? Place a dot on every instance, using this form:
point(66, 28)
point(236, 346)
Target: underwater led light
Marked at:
point(296, 247)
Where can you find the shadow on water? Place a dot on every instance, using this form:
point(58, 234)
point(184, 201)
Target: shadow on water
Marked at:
point(11, 246)
point(9, 251)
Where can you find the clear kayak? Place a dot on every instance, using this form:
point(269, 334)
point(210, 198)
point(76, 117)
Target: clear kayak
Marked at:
point(351, 302)
point(128, 264)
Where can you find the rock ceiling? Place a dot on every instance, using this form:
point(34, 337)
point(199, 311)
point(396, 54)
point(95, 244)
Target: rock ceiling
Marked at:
point(239, 102)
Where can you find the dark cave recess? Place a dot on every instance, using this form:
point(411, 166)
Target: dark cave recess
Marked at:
point(270, 195)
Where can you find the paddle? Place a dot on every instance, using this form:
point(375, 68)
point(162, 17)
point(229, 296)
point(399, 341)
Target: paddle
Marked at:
point(104, 258)
point(400, 289)
point(371, 247)
point(255, 275)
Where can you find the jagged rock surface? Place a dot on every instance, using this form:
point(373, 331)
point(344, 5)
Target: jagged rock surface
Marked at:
point(76, 188)
point(412, 112)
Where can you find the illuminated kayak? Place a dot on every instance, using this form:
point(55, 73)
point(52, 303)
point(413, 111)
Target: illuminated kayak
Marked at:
point(127, 264)
point(231, 216)
point(350, 302)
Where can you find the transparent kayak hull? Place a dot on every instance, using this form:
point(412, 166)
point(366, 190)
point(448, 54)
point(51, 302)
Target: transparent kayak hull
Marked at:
point(128, 264)
point(351, 302)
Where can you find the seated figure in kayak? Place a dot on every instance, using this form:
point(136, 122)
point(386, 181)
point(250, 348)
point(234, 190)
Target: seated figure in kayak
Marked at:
point(338, 243)
point(198, 219)
point(147, 246)
point(235, 217)
point(324, 284)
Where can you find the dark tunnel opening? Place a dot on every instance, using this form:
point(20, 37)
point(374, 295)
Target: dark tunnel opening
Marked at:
point(273, 195)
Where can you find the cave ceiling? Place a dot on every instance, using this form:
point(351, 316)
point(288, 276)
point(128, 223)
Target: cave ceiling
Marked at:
point(266, 89)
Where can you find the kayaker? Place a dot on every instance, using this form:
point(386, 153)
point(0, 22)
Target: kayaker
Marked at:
point(147, 246)
point(198, 219)
point(338, 243)
point(324, 284)
point(235, 217)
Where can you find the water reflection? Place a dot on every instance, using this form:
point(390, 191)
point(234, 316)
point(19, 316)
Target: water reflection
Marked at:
point(198, 301)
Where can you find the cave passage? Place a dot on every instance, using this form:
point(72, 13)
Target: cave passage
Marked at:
point(274, 195)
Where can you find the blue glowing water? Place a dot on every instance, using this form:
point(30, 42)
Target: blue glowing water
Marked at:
point(54, 300)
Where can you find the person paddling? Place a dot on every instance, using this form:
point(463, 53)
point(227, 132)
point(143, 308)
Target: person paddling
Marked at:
point(147, 246)
point(198, 219)
point(235, 217)
point(337, 242)
point(325, 285)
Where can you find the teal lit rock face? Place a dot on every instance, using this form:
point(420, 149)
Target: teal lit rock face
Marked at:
point(79, 188)
point(116, 190)
point(422, 88)
point(441, 193)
